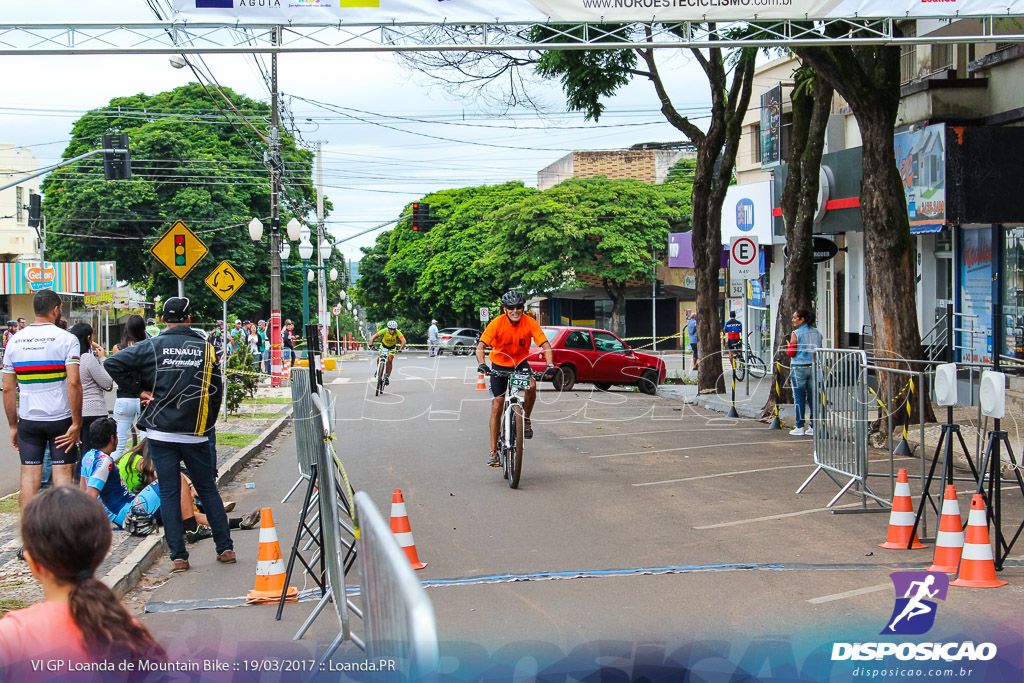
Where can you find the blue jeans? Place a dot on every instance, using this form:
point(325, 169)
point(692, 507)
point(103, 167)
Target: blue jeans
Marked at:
point(196, 457)
point(801, 376)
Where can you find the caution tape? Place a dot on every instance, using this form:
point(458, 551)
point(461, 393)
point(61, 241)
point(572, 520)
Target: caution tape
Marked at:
point(350, 496)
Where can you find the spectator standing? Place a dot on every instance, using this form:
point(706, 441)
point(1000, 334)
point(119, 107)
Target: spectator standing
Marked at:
point(67, 535)
point(22, 323)
point(433, 340)
point(179, 384)
point(151, 328)
point(261, 327)
point(126, 400)
point(12, 329)
point(288, 341)
point(802, 342)
point(42, 364)
point(691, 332)
point(95, 383)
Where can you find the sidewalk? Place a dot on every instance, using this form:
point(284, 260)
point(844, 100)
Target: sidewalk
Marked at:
point(240, 438)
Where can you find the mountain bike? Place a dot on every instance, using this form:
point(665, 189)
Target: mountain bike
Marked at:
point(510, 430)
point(382, 368)
point(745, 361)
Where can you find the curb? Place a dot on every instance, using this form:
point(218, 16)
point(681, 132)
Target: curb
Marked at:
point(127, 573)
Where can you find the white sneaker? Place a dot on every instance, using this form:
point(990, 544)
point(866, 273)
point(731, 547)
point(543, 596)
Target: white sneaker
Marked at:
point(809, 431)
point(798, 431)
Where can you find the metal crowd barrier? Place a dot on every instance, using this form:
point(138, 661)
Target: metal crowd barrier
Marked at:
point(837, 410)
point(307, 431)
point(398, 617)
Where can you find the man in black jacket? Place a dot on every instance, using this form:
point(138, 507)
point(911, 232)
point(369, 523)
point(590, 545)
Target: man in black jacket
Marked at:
point(179, 383)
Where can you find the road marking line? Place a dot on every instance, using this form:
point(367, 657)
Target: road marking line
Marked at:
point(682, 448)
point(850, 594)
point(771, 517)
point(668, 431)
point(723, 474)
point(341, 380)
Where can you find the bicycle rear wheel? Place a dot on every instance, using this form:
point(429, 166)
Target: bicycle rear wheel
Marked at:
point(515, 451)
point(757, 367)
point(739, 367)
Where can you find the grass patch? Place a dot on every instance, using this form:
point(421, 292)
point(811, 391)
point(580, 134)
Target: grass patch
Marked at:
point(258, 416)
point(236, 440)
point(9, 503)
point(258, 401)
point(11, 604)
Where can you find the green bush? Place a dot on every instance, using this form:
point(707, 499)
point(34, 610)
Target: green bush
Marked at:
point(242, 380)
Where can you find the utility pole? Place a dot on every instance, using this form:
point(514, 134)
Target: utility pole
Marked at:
point(322, 315)
point(275, 222)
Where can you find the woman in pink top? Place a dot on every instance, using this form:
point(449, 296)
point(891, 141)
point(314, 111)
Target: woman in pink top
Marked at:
point(67, 535)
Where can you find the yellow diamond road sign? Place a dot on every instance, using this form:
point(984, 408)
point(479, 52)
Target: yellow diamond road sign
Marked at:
point(224, 281)
point(180, 250)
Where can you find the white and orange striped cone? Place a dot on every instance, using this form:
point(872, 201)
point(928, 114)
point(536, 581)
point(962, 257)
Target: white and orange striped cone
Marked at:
point(977, 568)
point(949, 541)
point(270, 569)
point(901, 518)
point(480, 386)
point(402, 531)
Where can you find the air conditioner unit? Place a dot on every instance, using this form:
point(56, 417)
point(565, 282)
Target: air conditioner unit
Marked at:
point(993, 394)
point(945, 384)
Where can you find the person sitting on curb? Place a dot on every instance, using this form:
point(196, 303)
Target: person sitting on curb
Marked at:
point(81, 620)
point(102, 479)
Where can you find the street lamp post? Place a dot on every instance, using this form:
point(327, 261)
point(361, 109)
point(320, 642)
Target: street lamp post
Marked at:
point(305, 253)
point(342, 347)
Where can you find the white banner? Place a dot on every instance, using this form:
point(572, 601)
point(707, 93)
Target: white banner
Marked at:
point(328, 12)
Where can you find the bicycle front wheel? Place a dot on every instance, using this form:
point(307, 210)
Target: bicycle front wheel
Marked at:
point(515, 451)
point(380, 378)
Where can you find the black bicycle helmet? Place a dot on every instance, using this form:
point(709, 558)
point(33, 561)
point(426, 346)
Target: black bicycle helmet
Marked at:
point(138, 522)
point(512, 298)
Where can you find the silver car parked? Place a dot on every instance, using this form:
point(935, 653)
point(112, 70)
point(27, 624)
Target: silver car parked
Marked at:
point(460, 341)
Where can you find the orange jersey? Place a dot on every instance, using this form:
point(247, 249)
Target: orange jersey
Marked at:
point(510, 344)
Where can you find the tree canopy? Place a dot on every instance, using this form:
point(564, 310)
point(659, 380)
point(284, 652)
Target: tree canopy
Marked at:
point(491, 238)
point(191, 161)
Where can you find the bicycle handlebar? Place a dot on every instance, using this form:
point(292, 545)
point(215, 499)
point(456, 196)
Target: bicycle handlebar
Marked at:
point(509, 373)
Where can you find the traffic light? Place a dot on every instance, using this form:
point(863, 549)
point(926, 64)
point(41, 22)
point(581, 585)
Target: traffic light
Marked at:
point(117, 165)
point(659, 288)
point(420, 217)
point(179, 250)
point(34, 209)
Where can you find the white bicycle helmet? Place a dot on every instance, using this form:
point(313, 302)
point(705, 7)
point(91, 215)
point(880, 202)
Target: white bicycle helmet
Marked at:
point(392, 325)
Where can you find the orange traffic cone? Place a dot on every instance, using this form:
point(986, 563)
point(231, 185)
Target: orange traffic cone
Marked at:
point(949, 541)
point(270, 569)
point(480, 386)
point(901, 518)
point(402, 531)
point(977, 568)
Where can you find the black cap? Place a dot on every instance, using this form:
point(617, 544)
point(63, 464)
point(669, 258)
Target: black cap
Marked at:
point(176, 309)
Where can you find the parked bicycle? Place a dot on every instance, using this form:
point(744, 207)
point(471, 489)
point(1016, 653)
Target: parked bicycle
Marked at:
point(510, 430)
point(746, 361)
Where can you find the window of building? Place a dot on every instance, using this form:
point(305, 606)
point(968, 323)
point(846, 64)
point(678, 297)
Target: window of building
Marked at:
point(908, 53)
point(942, 57)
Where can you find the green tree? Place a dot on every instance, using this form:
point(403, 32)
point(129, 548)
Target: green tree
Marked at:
point(605, 229)
point(190, 162)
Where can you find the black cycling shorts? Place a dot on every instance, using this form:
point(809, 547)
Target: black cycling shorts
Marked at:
point(500, 384)
point(734, 344)
point(34, 435)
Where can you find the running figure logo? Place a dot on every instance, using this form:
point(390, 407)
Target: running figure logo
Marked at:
point(914, 613)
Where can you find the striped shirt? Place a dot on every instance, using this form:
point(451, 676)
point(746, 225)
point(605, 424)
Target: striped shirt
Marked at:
point(39, 355)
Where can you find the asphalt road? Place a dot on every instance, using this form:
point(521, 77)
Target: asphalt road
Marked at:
point(641, 527)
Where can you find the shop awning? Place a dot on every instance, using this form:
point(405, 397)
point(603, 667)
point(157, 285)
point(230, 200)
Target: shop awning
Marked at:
point(926, 228)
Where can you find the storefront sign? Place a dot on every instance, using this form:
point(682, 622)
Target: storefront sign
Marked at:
point(824, 249)
point(28, 277)
point(921, 159)
point(99, 301)
point(319, 12)
point(976, 296)
point(771, 131)
point(747, 212)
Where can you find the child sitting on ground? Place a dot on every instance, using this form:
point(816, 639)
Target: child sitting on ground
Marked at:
point(101, 478)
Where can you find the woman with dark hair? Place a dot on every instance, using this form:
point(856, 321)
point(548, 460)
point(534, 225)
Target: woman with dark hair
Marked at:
point(126, 406)
point(67, 535)
point(95, 383)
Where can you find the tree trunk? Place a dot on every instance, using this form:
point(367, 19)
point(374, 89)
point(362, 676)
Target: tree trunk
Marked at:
point(616, 292)
point(868, 77)
point(811, 108)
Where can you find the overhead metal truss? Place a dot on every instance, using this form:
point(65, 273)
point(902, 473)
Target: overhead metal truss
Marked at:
point(211, 38)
